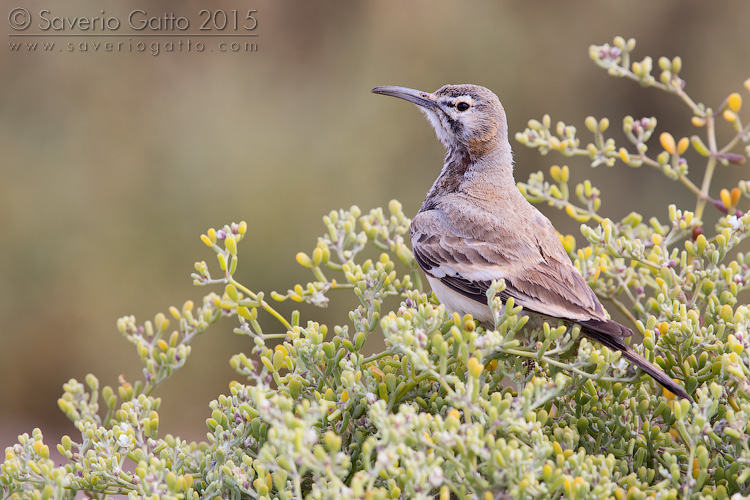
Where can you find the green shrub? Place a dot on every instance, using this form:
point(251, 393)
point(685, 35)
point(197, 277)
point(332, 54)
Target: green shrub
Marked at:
point(449, 409)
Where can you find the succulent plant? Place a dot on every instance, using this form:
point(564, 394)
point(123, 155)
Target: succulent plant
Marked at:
point(450, 408)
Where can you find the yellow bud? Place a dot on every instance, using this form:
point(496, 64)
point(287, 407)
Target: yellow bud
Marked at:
point(317, 256)
point(729, 115)
point(205, 239)
point(571, 211)
point(547, 472)
point(726, 197)
point(569, 242)
point(454, 414)
point(736, 196)
point(624, 155)
point(282, 349)
point(603, 124)
point(232, 293)
point(734, 102)
point(475, 367)
point(565, 173)
point(591, 124)
point(698, 121)
point(394, 206)
point(682, 145)
point(556, 173)
point(747, 84)
point(41, 449)
point(663, 327)
point(278, 360)
point(557, 448)
point(700, 244)
point(244, 312)
point(568, 484)
point(667, 142)
point(231, 244)
point(657, 239)
point(726, 313)
point(597, 272)
point(304, 260)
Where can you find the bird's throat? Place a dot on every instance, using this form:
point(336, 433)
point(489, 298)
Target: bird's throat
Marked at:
point(469, 174)
point(457, 162)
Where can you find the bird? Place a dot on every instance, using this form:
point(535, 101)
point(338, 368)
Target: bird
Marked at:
point(475, 227)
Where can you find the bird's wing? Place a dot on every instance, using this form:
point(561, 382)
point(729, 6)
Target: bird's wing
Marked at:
point(467, 248)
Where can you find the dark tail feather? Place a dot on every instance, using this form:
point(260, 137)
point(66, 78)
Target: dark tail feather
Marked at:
point(655, 372)
point(609, 334)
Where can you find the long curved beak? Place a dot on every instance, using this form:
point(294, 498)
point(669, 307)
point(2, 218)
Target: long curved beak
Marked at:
point(424, 99)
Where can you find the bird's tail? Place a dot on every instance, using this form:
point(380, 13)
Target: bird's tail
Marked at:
point(655, 372)
point(609, 334)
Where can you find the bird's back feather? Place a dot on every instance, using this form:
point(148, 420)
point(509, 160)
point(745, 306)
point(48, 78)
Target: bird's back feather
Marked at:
point(468, 247)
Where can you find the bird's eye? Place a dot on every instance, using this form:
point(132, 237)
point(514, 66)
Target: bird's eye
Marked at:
point(462, 106)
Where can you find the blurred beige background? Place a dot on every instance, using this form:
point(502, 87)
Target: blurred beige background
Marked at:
point(114, 163)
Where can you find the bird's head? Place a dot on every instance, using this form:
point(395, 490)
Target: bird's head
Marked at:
point(468, 117)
